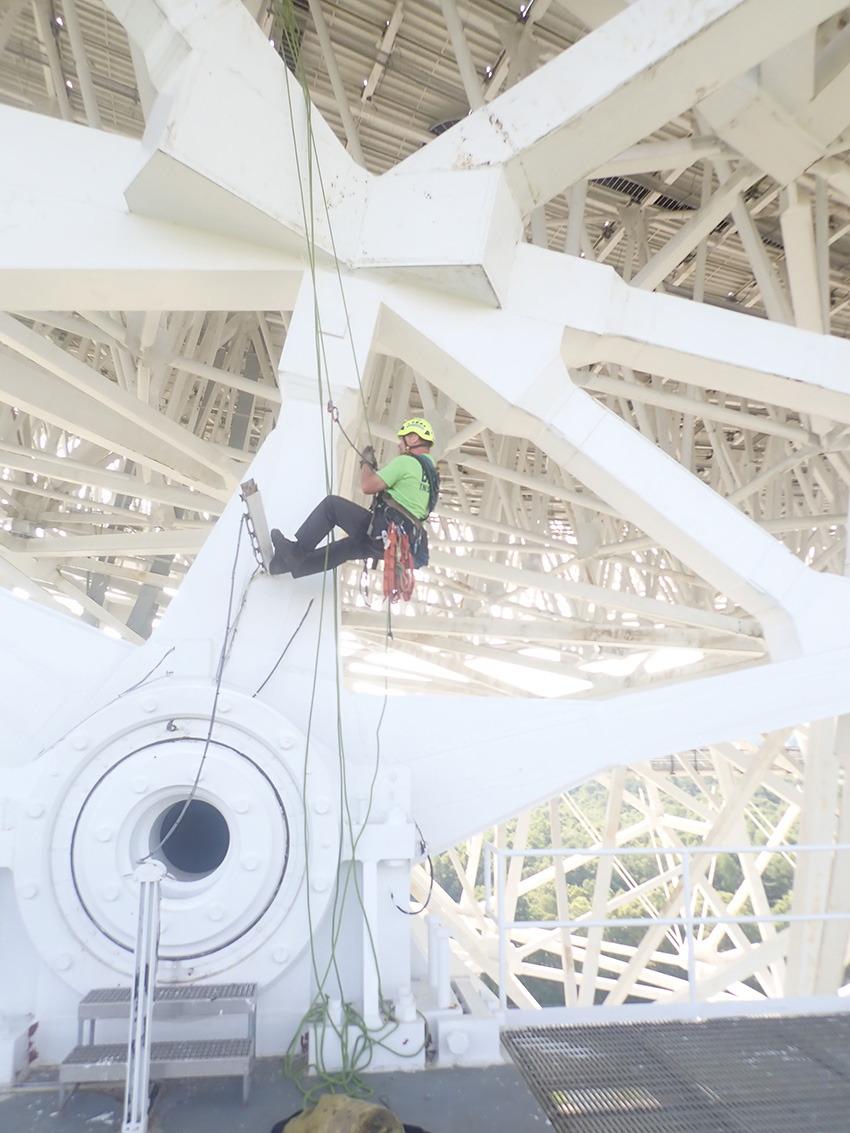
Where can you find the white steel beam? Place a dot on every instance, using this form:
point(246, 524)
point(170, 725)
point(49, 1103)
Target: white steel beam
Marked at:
point(384, 52)
point(343, 105)
point(68, 470)
point(480, 567)
point(180, 541)
point(587, 114)
point(38, 351)
point(704, 221)
point(596, 446)
point(655, 157)
point(797, 221)
point(468, 75)
point(78, 47)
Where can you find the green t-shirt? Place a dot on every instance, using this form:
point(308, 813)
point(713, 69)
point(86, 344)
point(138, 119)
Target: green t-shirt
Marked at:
point(407, 484)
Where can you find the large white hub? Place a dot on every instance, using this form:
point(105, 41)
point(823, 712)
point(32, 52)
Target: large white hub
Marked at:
point(112, 793)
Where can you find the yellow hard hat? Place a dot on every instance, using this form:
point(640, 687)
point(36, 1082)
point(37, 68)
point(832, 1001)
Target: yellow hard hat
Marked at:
point(420, 427)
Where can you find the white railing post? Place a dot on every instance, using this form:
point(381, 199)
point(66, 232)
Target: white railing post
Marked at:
point(148, 875)
point(500, 913)
point(689, 924)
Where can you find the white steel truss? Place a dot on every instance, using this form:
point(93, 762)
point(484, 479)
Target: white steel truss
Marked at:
point(612, 268)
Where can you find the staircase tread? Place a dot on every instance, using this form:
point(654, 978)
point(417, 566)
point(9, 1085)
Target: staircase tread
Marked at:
point(166, 992)
point(171, 1051)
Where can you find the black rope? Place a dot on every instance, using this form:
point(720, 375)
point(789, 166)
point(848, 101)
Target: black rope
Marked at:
point(334, 412)
point(218, 678)
point(423, 848)
point(283, 654)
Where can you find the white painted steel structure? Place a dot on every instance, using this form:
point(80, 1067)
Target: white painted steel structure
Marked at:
point(604, 248)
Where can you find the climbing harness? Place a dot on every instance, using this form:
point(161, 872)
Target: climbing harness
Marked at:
point(398, 564)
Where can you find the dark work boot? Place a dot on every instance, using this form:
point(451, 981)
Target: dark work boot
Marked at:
point(287, 553)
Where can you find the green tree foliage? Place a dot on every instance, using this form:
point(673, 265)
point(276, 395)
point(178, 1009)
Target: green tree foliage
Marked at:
point(582, 819)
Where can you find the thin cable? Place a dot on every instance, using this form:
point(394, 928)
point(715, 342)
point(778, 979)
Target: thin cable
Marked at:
point(218, 677)
point(285, 648)
point(147, 675)
point(114, 700)
point(423, 849)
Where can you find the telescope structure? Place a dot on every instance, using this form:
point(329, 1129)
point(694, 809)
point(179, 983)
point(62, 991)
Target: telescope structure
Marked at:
point(605, 249)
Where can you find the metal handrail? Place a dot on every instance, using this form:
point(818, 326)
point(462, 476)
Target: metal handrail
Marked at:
point(688, 920)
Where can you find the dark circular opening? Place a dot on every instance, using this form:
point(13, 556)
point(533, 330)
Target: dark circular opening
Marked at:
point(195, 844)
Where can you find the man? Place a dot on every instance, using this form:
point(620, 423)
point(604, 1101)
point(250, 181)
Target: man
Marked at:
point(406, 491)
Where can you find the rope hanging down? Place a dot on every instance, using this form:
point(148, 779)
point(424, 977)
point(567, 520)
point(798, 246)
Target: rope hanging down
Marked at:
point(334, 412)
point(398, 565)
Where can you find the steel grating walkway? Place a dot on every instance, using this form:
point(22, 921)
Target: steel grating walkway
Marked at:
point(754, 1075)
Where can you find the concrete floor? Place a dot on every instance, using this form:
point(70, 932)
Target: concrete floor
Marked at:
point(440, 1101)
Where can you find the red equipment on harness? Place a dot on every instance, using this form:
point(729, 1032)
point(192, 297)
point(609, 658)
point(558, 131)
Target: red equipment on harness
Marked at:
point(398, 564)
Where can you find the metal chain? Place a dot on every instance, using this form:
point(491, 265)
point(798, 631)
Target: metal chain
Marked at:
point(252, 535)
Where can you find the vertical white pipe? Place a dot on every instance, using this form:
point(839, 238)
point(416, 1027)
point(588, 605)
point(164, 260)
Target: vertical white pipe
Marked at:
point(468, 75)
point(45, 34)
point(434, 924)
point(444, 983)
point(75, 35)
point(689, 925)
point(575, 219)
point(371, 998)
point(337, 84)
point(149, 875)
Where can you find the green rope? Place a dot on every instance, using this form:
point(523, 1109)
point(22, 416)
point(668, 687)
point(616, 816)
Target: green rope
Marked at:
point(356, 1052)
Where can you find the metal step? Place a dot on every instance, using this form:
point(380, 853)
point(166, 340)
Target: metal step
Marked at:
point(171, 1001)
point(194, 1058)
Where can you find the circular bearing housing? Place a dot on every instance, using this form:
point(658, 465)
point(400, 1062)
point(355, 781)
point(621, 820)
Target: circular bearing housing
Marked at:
point(114, 792)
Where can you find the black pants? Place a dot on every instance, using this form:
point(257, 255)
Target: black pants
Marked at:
point(335, 511)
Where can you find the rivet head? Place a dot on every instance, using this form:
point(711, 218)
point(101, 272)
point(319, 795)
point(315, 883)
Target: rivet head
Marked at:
point(216, 912)
point(321, 806)
point(140, 785)
point(110, 893)
point(80, 742)
point(280, 955)
point(35, 809)
point(29, 890)
point(63, 961)
point(224, 705)
point(320, 884)
point(286, 742)
point(250, 862)
point(149, 704)
point(242, 805)
point(104, 833)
